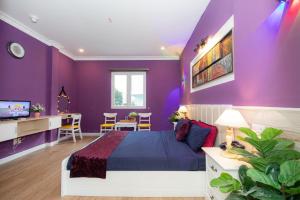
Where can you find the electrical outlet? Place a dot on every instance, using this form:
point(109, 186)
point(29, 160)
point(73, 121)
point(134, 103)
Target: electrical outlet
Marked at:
point(17, 141)
point(258, 128)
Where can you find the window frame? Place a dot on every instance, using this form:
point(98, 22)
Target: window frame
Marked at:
point(128, 74)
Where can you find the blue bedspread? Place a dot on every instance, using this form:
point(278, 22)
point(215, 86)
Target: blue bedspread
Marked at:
point(154, 151)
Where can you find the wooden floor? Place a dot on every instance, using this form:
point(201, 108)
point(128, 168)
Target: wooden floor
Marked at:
point(37, 176)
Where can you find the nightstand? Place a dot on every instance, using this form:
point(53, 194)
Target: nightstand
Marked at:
point(215, 165)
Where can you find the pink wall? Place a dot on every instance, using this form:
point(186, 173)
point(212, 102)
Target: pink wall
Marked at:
point(266, 54)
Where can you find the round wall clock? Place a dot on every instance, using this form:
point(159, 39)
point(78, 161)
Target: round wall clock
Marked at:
point(16, 50)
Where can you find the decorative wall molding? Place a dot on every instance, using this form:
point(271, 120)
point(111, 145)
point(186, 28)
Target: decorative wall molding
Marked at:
point(258, 117)
point(20, 26)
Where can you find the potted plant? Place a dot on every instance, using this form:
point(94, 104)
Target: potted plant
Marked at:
point(132, 116)
point(37, 109)
point(274, 172)
point(175, 117)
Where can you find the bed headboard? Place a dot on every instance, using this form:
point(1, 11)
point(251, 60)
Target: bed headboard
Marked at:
point(287, 119)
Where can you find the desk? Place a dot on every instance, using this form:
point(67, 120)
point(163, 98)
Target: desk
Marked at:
point(12, 129)
point(123, 124)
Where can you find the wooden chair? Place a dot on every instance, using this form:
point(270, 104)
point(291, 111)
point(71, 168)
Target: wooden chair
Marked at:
point(144, 122)
point(72, 129)
point(109, 123)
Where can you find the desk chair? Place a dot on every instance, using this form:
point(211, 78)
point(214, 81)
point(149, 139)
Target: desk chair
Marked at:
point(72, 129)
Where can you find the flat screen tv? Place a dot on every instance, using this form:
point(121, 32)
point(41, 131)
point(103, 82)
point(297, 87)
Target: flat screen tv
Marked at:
point(11, 109)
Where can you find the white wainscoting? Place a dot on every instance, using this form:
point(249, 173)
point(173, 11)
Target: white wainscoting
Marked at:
point(286, 119)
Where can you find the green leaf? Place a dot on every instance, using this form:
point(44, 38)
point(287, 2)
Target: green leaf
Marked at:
point(258, 163)
point(261, 177)
point(289, 172)
point(241, 152)
point(262, 146)
point(266, 194)
point(273, 171)
point(280, 156)
point(283, 144)
point(226, 183)
point(293, 191)
point(236, 196)
point(245, 180)
point(249, 133)
point(270, 133)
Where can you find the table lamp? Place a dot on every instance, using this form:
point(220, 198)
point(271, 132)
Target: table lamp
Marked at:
point(231, 119)
point(183, 110)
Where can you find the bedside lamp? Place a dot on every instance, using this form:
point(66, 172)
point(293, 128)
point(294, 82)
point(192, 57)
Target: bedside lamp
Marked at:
point(183, 110)
point(231, 119)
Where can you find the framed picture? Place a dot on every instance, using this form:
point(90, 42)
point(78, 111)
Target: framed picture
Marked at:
point(217, 62)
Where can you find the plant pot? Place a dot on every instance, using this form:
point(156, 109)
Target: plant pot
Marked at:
point(37, 114)
point(132, 119)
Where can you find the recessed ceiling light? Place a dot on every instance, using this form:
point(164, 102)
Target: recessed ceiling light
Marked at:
point(34, 18)
point(162, 48)
point(81, 50)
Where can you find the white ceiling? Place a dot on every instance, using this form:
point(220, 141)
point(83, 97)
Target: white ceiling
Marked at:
point(110, 28)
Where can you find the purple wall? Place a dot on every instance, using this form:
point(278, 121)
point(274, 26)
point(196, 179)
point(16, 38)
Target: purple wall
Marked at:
point(41, 73)
point(266, 54)
point(94, 85)
point(37, 77)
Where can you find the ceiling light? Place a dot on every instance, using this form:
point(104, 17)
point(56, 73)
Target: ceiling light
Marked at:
point(162, 48)
point(81, 50)
point(34, 18)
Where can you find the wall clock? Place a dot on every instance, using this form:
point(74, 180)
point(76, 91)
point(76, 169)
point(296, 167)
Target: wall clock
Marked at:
point(16, 50)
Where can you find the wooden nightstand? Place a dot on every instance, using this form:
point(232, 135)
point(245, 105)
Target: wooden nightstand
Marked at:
point(215, 165)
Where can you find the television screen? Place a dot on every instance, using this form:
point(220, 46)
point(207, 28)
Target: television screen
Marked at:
point(14, 109)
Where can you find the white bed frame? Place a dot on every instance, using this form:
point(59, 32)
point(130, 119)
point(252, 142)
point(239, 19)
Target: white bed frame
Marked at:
point(142, 183)
point(178, 183)
point(136, 184)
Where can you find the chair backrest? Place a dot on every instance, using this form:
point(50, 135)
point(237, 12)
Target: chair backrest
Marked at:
point(144, 118)
point(110, 118)
point(76, 119)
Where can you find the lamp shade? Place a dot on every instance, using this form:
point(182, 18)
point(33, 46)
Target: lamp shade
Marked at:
point(231, 118)
point(182, 109)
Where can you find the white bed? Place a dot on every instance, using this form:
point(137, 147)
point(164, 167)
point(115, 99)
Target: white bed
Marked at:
point(135, 184)
point(178, 183)
point(141, 183)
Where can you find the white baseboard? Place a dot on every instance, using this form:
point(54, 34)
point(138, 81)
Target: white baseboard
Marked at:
point(31, 150)
point(23, 153)
point(91, 134)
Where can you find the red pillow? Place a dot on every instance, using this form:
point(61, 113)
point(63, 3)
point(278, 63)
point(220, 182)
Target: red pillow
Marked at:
point(182, 129)
point(212, 135)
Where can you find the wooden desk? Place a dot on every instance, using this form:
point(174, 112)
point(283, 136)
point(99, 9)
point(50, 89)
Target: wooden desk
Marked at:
point(12, 129)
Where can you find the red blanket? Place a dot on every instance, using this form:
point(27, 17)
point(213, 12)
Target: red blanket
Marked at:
point(91, 161)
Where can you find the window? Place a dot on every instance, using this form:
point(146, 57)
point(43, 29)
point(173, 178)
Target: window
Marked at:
point(128, 90)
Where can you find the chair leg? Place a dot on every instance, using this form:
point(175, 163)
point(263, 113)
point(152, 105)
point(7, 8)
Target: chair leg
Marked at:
point(73, 134)
point(58, 135)
point(80, 133)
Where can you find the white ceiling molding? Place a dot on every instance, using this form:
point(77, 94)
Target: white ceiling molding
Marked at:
point(126, 58)
point(15, 23)
point(20, 26)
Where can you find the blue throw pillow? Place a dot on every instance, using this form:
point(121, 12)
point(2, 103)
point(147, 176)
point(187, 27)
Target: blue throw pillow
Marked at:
point(196, 137)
